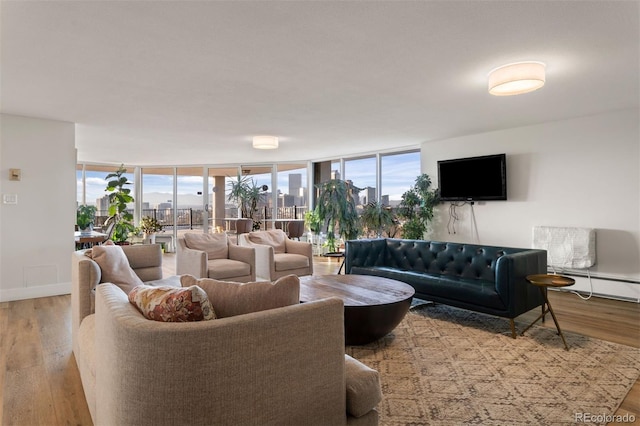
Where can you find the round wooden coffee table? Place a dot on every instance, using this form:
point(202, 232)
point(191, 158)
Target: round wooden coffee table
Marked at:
point(373, 306)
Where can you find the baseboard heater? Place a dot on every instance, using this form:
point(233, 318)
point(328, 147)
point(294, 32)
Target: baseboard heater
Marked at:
point(597, 276)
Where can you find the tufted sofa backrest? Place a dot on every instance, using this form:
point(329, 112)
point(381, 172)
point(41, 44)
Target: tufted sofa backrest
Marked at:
point(436, 257)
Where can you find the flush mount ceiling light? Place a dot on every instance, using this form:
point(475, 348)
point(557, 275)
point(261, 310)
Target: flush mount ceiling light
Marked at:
point(517, 78)
point(265, 142)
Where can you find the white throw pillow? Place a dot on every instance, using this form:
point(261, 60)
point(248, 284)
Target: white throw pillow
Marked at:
point(114, 267)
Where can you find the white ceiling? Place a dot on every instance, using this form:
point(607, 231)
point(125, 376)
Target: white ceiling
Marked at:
point(184, 82)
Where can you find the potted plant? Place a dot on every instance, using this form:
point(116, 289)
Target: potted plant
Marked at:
point(416, 208)
point(149, 227)
point(378, 218)
point(313, 224)
point(119, 196)
point(85, 217)
point(312, 221)
point(245, 192)
point(336, 208)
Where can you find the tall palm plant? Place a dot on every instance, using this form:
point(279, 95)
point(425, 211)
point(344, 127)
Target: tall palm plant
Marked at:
point(378, 218)
point(336, 208)
point(245, 192)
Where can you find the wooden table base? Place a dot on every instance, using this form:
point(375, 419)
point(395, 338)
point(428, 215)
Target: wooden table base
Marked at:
point(373, 306)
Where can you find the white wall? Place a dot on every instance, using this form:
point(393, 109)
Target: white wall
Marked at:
point(36, 234)
point(582, 172)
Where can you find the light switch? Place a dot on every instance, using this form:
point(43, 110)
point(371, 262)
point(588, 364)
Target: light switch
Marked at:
point(10, 198)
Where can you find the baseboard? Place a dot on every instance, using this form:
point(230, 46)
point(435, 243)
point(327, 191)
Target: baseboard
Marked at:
point(10, 294)
point(585, 293)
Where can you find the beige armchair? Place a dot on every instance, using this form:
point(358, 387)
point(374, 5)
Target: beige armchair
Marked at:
point(277, 255)
point(214, 256)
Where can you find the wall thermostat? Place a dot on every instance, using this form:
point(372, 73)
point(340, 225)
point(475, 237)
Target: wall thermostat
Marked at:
point(14, 174)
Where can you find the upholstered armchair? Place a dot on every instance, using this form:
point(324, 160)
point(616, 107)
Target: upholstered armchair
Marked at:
point(277, 255)
point(214, 256)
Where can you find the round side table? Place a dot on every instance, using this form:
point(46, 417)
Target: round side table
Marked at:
point(337, 254)
point(544, 281)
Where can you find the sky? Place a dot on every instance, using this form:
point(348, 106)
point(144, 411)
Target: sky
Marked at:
point(398, 174)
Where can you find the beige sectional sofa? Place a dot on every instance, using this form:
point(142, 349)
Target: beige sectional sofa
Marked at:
point(283, 366)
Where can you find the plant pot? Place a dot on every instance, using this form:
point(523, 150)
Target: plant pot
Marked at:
point(87, 231)
point(334, 254)
point(149, 238)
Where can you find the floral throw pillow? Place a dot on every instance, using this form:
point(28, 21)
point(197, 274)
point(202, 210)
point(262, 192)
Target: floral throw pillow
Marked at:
point(172, 304)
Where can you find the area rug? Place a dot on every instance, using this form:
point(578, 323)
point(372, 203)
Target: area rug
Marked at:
point(447, 366)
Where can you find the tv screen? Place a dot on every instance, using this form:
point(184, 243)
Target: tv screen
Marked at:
point(473, 179)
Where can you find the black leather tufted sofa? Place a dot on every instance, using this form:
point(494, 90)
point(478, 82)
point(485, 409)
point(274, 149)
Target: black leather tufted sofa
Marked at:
point(479, 278)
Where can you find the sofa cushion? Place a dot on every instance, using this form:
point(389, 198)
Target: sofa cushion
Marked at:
point(87, 341)
point(222, 269)
point(363, 387)
point(274, 238)
point(442, 287)
point(215, 245)
point(288, 261)
point(232, 298)
point(171, 304)
point(114, 266)
point(171, 281)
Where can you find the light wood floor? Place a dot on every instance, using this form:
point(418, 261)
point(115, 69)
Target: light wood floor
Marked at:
point(40, 383)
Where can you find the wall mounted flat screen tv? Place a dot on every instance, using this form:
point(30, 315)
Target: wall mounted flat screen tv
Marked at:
point(473, 179)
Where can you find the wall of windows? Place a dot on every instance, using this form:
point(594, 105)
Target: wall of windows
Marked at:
point(398, 172)
point(196, 198)
point(383, 177)
point(219, 207)
point(261, 176)
point(292, 191)
point(91, 183)
point(157, 195)
point(190, 199)
point(362, 173)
